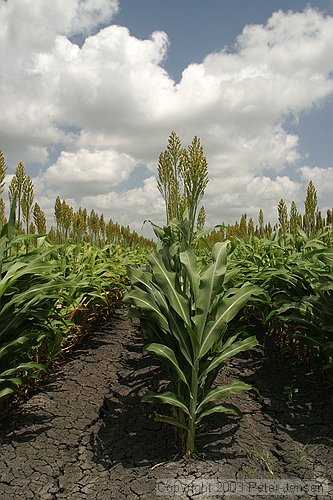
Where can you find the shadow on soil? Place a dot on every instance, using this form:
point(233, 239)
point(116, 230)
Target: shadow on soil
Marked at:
point(294, 396)
point(294, 400)
point(129, 434)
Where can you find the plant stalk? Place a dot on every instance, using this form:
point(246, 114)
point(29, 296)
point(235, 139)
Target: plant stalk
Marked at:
point(190, 445)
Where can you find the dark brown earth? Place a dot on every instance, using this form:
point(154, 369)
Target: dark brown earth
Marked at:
point(85, 434)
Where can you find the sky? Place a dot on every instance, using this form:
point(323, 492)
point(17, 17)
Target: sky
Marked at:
point(91, 89)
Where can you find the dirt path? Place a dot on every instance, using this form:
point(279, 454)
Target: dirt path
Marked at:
point(85, 434)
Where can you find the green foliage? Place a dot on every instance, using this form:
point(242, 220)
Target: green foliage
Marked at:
point(311, 312)
point(185, 312)
point(48, 293)
point(296, 273)
point(28, 289)
point(91, 228)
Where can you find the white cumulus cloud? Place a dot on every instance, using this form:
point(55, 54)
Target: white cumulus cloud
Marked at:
point(107, 105)
point(88, 172)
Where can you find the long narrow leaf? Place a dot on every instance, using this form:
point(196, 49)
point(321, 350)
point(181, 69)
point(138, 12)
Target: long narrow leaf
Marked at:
point(167, 280)
point(232, 350)
point(226, 311)
point(167, 354)
point(211, 282)
point(222, 391)
point(166, 397)
point(221, 408)
point(170, 420)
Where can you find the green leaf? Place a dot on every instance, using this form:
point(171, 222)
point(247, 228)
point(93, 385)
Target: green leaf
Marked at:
point(186, 341)
point(227, 309)
point(167, 354)
point(189, 261)
point(229, 341)
point(19, 269)
point(145, 301)
point(228, 352)
point(13, 345)
point(221, 408)
point(6, 392)
point(168, 281)
point(23, 367)
point(170, 420)
point(221, 391)
point(167, 397)
point(3, 246)
point(141, 279)
point(12, 380)
point(211, 282)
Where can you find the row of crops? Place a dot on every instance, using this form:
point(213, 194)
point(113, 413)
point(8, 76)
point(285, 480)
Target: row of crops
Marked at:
point(296, 273)
point(199, 304)
point(54, 282)
point(49, 295)
point(198, 308)
point(75, 225)
point(199, 301)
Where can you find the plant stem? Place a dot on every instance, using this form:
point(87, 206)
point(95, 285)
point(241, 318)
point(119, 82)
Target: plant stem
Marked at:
point(190, 445)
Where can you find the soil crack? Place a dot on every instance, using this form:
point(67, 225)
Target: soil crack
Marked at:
point(86, 435)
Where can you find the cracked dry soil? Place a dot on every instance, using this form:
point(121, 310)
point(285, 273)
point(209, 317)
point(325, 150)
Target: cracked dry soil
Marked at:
point(85, 435)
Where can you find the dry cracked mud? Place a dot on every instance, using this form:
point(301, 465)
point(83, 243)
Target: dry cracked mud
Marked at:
point(84, 434)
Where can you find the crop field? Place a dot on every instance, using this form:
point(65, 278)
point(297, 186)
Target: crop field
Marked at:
point(207, 353)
